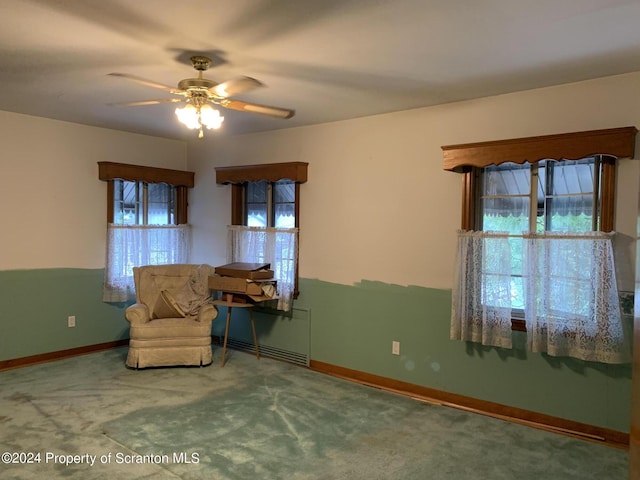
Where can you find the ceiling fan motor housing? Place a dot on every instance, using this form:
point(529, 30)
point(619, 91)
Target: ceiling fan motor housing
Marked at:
point(197, 97)
point(196, 84)
point(202, 84)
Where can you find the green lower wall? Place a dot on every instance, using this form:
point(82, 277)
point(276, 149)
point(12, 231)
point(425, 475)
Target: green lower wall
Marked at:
point(351, 326)
point(36, 304)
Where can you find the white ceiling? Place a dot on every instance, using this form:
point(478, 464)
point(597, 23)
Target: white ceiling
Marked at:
point(327, 59)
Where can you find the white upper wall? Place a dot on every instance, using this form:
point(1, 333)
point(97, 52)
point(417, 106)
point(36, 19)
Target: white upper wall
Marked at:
point(53, 204)
point(378, 205)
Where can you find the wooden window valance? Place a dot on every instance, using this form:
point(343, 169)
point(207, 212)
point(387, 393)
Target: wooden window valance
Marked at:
point(270, 172)
point(617, 142)
point(135, 173)
point(110, 171)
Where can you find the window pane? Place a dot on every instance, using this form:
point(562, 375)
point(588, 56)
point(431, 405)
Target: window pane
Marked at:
point(508, 214)
point(257, 192)
point(571, 176)
point(285, 216)
point(506, 179)
point(127, 208)
point(256, 207)
point(570, 214)
point(284, 197)
point(504, 200)
point(284, 192)
point(569, 203)
point(257, 215)
point(118, 207)
point(161, 209)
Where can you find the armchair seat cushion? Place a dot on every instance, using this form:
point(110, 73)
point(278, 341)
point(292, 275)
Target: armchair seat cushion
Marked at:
point(161, 328)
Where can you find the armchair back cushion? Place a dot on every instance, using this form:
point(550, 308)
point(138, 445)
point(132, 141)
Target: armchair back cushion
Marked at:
point(185, 288)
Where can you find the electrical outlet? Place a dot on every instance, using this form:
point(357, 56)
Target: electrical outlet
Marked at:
point(395, 348)
point(71, 321)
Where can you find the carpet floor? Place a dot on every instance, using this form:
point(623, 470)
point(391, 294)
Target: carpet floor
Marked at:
point(89, 417)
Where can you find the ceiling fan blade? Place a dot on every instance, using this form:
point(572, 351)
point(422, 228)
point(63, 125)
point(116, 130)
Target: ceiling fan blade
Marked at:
point(144, 81)
point(147, 102)
point(255, 108)
point(235, 87)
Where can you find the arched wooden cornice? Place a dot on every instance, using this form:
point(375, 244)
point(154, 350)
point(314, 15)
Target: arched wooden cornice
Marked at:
point(134, 173)
point(270, 172)
point(616, 142)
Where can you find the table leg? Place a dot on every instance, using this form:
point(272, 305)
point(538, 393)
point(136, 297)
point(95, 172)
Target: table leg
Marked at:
point(253, 330)
point(226, 334)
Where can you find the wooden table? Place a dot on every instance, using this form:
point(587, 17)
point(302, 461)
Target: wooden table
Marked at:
point(231, 305)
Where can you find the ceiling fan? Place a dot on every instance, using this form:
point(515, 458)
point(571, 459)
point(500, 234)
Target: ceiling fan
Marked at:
point(199, 93)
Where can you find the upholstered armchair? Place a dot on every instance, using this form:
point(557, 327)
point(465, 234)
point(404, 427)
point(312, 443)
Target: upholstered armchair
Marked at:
point(170, 323)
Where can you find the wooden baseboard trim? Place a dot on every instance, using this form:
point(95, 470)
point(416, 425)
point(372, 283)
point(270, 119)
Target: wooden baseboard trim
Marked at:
point(583, 431)
point(59, 355)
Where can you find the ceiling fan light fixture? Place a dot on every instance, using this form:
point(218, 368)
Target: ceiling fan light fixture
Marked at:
point(197, 117)
point(210, 117)
point(189, 116)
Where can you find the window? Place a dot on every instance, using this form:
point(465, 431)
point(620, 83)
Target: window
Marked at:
point(142, 203)
point(146, 222)
point(270, 204)
point(531, 247)
point(565, 196)
point(287, 202)
point(265, 217)
point(179, 181)
point(546, 196)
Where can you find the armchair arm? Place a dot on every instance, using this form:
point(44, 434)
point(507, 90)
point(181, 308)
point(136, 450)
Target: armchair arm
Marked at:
point(207, 313)
point(138, 313)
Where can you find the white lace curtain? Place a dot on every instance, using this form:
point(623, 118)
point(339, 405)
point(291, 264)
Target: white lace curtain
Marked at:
point(571, 304)
point(277, 246)
point(131, 246)
point(481, 308)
